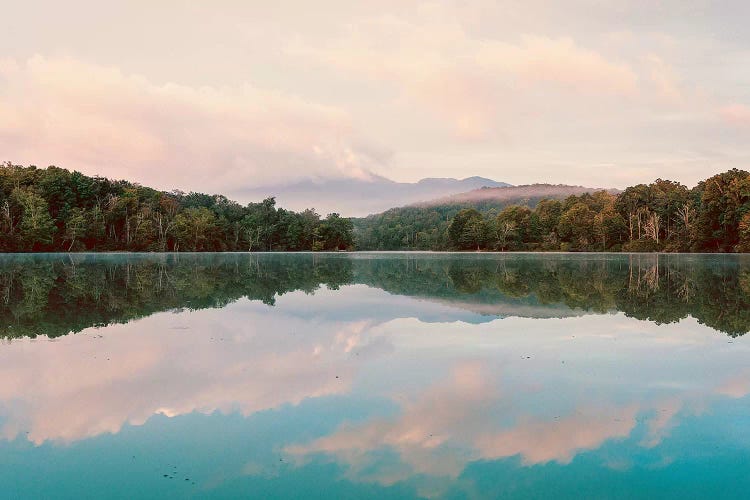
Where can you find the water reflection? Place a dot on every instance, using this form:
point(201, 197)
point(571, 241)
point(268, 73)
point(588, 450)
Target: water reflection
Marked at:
point(542, 399)
point(429, 370)
point(83, 386)
point(53, 295)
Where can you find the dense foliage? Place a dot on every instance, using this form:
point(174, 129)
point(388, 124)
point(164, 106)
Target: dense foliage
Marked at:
point(55, 295)
point(425, 227)
point(665, 216)
point(54, 209)
point(406, 228)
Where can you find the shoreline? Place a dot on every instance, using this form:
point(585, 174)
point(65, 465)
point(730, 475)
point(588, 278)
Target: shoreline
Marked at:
point(379, 252)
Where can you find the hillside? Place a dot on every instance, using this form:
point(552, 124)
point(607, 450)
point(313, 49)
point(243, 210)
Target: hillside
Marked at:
point(360, 197)
point(497, 197)
point(423, 225)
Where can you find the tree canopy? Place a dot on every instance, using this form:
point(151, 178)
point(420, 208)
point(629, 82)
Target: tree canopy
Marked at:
point(54, 209)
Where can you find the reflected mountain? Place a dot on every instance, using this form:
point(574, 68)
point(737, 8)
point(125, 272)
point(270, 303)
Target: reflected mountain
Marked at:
point(56, 294)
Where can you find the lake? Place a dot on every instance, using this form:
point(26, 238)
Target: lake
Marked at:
point(374, 375)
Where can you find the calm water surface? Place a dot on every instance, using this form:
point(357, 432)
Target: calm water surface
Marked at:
point(374, 376)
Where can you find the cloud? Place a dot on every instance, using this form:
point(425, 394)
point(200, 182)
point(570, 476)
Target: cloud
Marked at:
point(465, 79)
point(736, 114)
point(665, 80)
point(560, 61)
point(100, 120)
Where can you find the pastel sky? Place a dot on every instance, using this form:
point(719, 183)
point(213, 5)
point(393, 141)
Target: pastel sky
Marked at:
point(215, 96)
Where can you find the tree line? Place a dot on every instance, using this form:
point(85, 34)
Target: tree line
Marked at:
point(665, 216)
point(53, 209)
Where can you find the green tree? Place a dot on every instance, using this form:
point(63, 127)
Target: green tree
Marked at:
point(36, 227)
point(724, 200)
point(609, 227)
point(512, 227)
point(549, 213)
point(467, 229)
point(195, 229)
point(744, 230)
point(335, 232)
point(76, 228)
point(259, 226)
point(576, 226)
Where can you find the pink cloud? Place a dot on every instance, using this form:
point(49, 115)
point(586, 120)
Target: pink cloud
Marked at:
point(101, 120)
point(81, 386)
point(469, 82)
point(664, 79)
point(736, 114)
point(560, 61)
point(453, 423)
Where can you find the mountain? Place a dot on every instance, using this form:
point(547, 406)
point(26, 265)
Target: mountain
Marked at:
point(357, 198)
point(497, 197)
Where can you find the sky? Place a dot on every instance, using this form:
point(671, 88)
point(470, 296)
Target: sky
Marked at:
point(218, 96)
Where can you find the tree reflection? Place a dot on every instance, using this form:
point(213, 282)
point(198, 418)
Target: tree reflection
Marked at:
point(56, 295)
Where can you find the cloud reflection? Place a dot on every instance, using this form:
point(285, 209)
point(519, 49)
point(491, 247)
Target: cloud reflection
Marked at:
point(542, 391)
point(84, 385)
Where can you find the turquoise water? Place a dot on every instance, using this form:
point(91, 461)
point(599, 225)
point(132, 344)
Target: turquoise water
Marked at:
point(374, 376)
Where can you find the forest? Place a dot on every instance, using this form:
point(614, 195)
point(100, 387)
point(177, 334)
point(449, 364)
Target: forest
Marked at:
point(54, 210)
point(663, 216)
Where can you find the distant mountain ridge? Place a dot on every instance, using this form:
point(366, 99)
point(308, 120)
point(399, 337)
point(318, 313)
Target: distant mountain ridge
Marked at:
point(528, 194)
point(359, 197)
